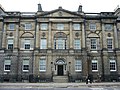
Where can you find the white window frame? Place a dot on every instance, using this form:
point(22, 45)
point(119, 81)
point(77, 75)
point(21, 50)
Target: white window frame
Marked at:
point(44, 26)
point(60, 26)
point(42, 63)
point(28, 26)
point(76, 26)
point(26, 62)
point(60, 43)
point(43, 43)
point(10, 41)
point(78, 65)
point(93, 44)
point(94, 62)
point(109, 43)
point(27, 42)
point(7, 62)
point(108, 27)
point(77, 44)
point(12, 26)
point(92, 26)
point(113, 61)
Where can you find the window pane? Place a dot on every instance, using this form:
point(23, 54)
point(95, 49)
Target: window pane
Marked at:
point(60, 43)
point(77, 44)
point(25, 65)
point(108, 27)
point(27, 44)
point(93, 44)
point(109, 44)
point(76, 26)
point(42, 64)
point(44, 26)
point(60, 26)
point(112, 65)
point(94, 65)
point(11, 26)
point(78, 65)
point(43, 44)
point(10, 43)
point(7, 65)
point(92, 26)
point(28, 26)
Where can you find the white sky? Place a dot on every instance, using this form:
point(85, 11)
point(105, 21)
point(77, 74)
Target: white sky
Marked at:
point(71, 5)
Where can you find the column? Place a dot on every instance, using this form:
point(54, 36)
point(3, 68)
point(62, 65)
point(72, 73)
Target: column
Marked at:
point(49, 37)
point(83, 35)
point(4, 37)
point(37, 36)
point(71, 36)
point(103, 37)
point(16, 37)
point(115, 37)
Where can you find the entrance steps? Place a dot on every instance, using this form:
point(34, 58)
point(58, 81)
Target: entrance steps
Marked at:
point(60, 79)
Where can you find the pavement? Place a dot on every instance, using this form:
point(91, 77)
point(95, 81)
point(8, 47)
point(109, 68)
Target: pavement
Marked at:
point(58, 85)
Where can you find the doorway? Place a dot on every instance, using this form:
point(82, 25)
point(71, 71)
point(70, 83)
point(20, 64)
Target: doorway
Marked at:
point(60, 70)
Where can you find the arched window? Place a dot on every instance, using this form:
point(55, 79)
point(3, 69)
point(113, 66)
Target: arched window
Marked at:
point(60, 39)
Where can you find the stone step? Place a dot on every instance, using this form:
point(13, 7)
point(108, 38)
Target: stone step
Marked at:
point(60, 79)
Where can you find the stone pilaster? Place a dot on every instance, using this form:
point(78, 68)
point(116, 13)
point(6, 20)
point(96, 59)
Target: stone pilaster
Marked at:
point(4, 37)
point(71, 36)
point(115, 37)
point(37, 37)
point(83, 35)
point(16, 37)
point(103, 37)
point(49, 37)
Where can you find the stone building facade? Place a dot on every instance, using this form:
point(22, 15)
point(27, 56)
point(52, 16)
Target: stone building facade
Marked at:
point(39, 46)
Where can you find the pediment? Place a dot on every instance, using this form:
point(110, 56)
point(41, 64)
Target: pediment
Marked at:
point(27, 35)
point(93, 35)
point(60, 13)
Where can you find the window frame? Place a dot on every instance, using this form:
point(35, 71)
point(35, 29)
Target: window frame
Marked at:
point(110, 45)
point(60, 43)
point(78, 67)
point(76, 44)
point(95, 64)
point(92, 26)
point(11, 26)
point(108, 27)
point(76, 26)
point(28, 26)
point(43, 43)
point(27, 43)
point(7, 64)
point(43, 26)
point(93, 44)
point(10, 43)
point(115, 66)
point(26, 65)
point(42, 64)
point(60, 26)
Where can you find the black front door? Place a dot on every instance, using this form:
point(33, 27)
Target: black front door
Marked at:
point(60, 70)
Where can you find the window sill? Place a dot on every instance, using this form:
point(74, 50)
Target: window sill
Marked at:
point(7, 70)
point(25, 70)
point(78, 70)
point(94, 70)
point(42, 70)
point(113, 70)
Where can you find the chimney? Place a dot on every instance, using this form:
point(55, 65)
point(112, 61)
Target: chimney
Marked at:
point(39, 8)
point(80, 8)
